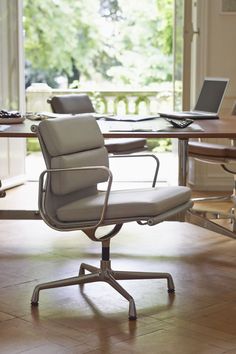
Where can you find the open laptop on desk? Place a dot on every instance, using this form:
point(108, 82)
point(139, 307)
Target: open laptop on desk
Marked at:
point(208, 103)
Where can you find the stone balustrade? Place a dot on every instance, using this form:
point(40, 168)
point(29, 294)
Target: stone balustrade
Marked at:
point(117, 102)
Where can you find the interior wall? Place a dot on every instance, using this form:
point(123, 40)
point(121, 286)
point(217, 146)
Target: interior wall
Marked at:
point(221, 49)
point(12, 151)
point(215, 58)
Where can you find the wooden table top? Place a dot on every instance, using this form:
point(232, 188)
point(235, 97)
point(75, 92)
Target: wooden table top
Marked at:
point(225, 127)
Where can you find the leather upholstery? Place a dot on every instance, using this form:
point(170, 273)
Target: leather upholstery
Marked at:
point(63, 138)
point(72, 104)
point(69, 146)
point(128, 203)
point(124, 144)
point(211, 150)
point(75, 197)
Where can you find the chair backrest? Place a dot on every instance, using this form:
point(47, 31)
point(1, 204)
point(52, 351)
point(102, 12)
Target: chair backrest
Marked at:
point(71, 104)
point(69, 143)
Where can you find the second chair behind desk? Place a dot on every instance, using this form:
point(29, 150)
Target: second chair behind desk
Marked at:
point(81, 103)
point(223, 155)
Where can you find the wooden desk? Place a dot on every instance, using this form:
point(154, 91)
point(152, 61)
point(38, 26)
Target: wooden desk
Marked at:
point(217, 128)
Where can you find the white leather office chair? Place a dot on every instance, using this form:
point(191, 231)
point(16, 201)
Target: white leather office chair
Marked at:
point(76, 161)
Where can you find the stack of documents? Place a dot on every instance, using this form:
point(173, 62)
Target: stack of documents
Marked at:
point(156, 125)
point(125, 117)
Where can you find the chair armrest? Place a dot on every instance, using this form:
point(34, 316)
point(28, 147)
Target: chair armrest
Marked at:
point(72, 169)
point(143, 155)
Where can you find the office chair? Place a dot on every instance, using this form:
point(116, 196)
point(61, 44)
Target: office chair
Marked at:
point(76, 161)
point(81, 103)
point(221, 155)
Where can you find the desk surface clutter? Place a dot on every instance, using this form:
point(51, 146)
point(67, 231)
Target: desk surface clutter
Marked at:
point(224, 127)
point(11, 117)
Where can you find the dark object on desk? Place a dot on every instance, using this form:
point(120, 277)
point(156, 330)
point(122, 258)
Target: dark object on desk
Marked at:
point(69, 200)
point(10, 117)
point(179, 123)
point(81, 103)
point(208, 103)
point(9, 114)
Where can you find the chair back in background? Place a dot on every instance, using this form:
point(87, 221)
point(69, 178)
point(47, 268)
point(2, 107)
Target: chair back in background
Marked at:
point(71, 104)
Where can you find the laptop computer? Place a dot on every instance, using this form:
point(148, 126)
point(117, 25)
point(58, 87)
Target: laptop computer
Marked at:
point(208, 102)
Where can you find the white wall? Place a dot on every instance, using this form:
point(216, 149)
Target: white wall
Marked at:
point(221, 49)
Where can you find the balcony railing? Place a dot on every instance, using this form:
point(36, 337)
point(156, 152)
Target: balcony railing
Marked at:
point(117, 102)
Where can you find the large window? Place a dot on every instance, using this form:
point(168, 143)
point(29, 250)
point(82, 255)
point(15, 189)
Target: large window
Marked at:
point(117, 46)
point(91, 44)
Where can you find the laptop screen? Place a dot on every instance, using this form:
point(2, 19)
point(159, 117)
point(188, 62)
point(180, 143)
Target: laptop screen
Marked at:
point(211, 95)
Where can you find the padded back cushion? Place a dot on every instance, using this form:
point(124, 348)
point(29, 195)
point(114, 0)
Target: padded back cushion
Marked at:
point(63, 136)
point(72, 104)
point(73, 142)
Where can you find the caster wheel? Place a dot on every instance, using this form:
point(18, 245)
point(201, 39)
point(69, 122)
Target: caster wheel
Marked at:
point(171, 291)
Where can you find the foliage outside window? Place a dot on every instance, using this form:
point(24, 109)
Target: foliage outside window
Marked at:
point(92, 44)
point(108, 42)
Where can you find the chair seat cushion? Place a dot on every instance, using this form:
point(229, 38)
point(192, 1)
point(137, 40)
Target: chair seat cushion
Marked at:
point(211, 150)
point(124, 145)
point(125, 204)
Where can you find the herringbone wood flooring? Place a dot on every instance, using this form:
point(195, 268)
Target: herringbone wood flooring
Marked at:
point(200, 318)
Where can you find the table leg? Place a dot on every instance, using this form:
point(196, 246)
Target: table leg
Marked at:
point(183, 161)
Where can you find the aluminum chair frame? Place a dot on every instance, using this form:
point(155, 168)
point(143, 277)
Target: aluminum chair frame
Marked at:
point(104, 272)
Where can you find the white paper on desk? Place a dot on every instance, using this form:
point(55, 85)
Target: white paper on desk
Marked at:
point(159, 125)
point(144, 126)
point(4, 127)
point(125, 117)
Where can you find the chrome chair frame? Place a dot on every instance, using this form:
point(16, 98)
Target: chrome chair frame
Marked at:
point(105, 272)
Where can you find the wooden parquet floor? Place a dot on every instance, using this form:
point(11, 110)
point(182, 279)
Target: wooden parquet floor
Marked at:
point(200, 318)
